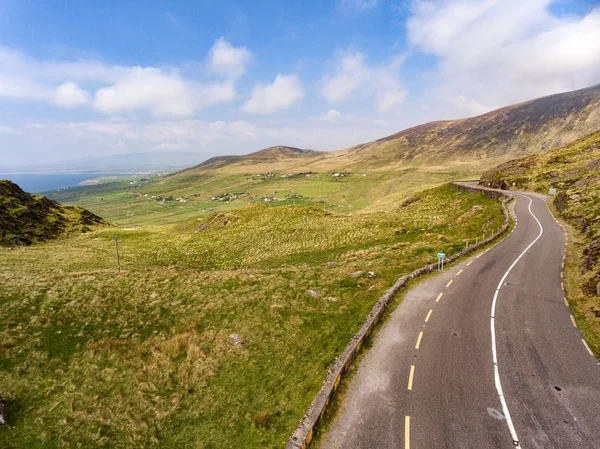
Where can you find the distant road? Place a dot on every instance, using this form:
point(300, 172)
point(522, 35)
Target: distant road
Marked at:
point(430, 380)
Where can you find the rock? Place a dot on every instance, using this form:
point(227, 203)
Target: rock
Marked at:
point(598, 289)
point(3, 418)
point(332, 299)
point(371, 274)
point(237, 339)
point(477, 207)
point(371, 288)
point(357, 274)
point(560, 202)
point(315, 293)
point(330, 264)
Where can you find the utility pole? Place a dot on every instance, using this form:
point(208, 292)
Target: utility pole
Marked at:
point(117, 239)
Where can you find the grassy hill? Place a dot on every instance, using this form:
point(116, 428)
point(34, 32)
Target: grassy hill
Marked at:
point(370, 176)
point(218, 331)
point(517, 130)
point(25, 218)
point(574, 170)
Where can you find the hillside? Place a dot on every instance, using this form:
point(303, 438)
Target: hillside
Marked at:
point(218, 331)
point(372, 176)
point(479, 142)
point(25, 218)
point(574, 170)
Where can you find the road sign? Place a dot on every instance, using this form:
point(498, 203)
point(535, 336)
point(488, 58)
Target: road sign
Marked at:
point(552, 192)
point(441, 257)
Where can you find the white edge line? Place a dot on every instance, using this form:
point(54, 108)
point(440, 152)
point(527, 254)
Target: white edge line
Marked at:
point(511, 426)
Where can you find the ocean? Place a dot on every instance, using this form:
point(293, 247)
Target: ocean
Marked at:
point(36, 183)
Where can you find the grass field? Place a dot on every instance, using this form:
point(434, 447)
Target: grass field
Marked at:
point(138, 202)
point(148, 358)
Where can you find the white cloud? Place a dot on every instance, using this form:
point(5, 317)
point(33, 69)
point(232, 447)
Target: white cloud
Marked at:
point(356, 6)
point(353, 77)
point(7, 130)
point(280, 94)
point(70, 95)
point(496, 52)
point(162, 91)
point(334, 117)
point(228, 60)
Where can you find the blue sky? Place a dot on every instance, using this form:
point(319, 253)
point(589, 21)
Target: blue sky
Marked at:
point(85, 78)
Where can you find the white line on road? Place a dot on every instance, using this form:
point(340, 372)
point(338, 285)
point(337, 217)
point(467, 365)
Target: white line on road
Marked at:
point(573, 320)
point(407, 432)
point(469, 263)
point(565, 300)
point(511, 426)
point(587, 347)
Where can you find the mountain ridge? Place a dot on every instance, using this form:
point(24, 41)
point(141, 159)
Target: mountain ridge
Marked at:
point(517, 130)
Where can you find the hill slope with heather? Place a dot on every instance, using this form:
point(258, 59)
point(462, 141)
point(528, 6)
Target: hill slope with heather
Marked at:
point(574, 170)
point(26, 219)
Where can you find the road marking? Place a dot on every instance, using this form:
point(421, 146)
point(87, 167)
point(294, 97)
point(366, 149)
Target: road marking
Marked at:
point(561, 274)
point(411, 376)
point(565, 300)
point(509, 422)
point(439, 297)
point(562, 264)
point(407, 432)
point(419, 340)
point(459, 272)
point(573, 320)
point(448, 284)
point(428, 315)
point(469, 263)
point(587, 347)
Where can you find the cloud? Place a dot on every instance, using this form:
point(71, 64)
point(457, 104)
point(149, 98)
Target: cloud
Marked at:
point(353, 77)
point(334, 117)
point(6, 130)
point(228, 60)
point(162, 91)
point(355, 6)
point(496, 52)
point(281, 94)
point(70, 95)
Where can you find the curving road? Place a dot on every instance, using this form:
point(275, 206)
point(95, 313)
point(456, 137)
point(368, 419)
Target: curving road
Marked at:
point(485, 355)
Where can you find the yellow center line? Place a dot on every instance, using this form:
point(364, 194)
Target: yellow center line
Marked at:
point(419, 340)
point(428, 315)
point(439, 297)
point(407, 432)
point(448, 284)
point(469, 263)
point(459, 272)
point(411, 376)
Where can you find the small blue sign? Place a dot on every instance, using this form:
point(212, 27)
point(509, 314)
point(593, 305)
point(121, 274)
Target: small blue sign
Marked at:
point(441, 256)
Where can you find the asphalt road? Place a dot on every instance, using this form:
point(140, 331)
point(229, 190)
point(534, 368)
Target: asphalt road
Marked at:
point(430, 381)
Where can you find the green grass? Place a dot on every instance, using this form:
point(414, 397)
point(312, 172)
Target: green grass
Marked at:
point(118, 201)
point(89, 358)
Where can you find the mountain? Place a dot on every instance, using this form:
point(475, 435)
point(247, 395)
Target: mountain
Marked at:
point(25, 218)
point(475, 143)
